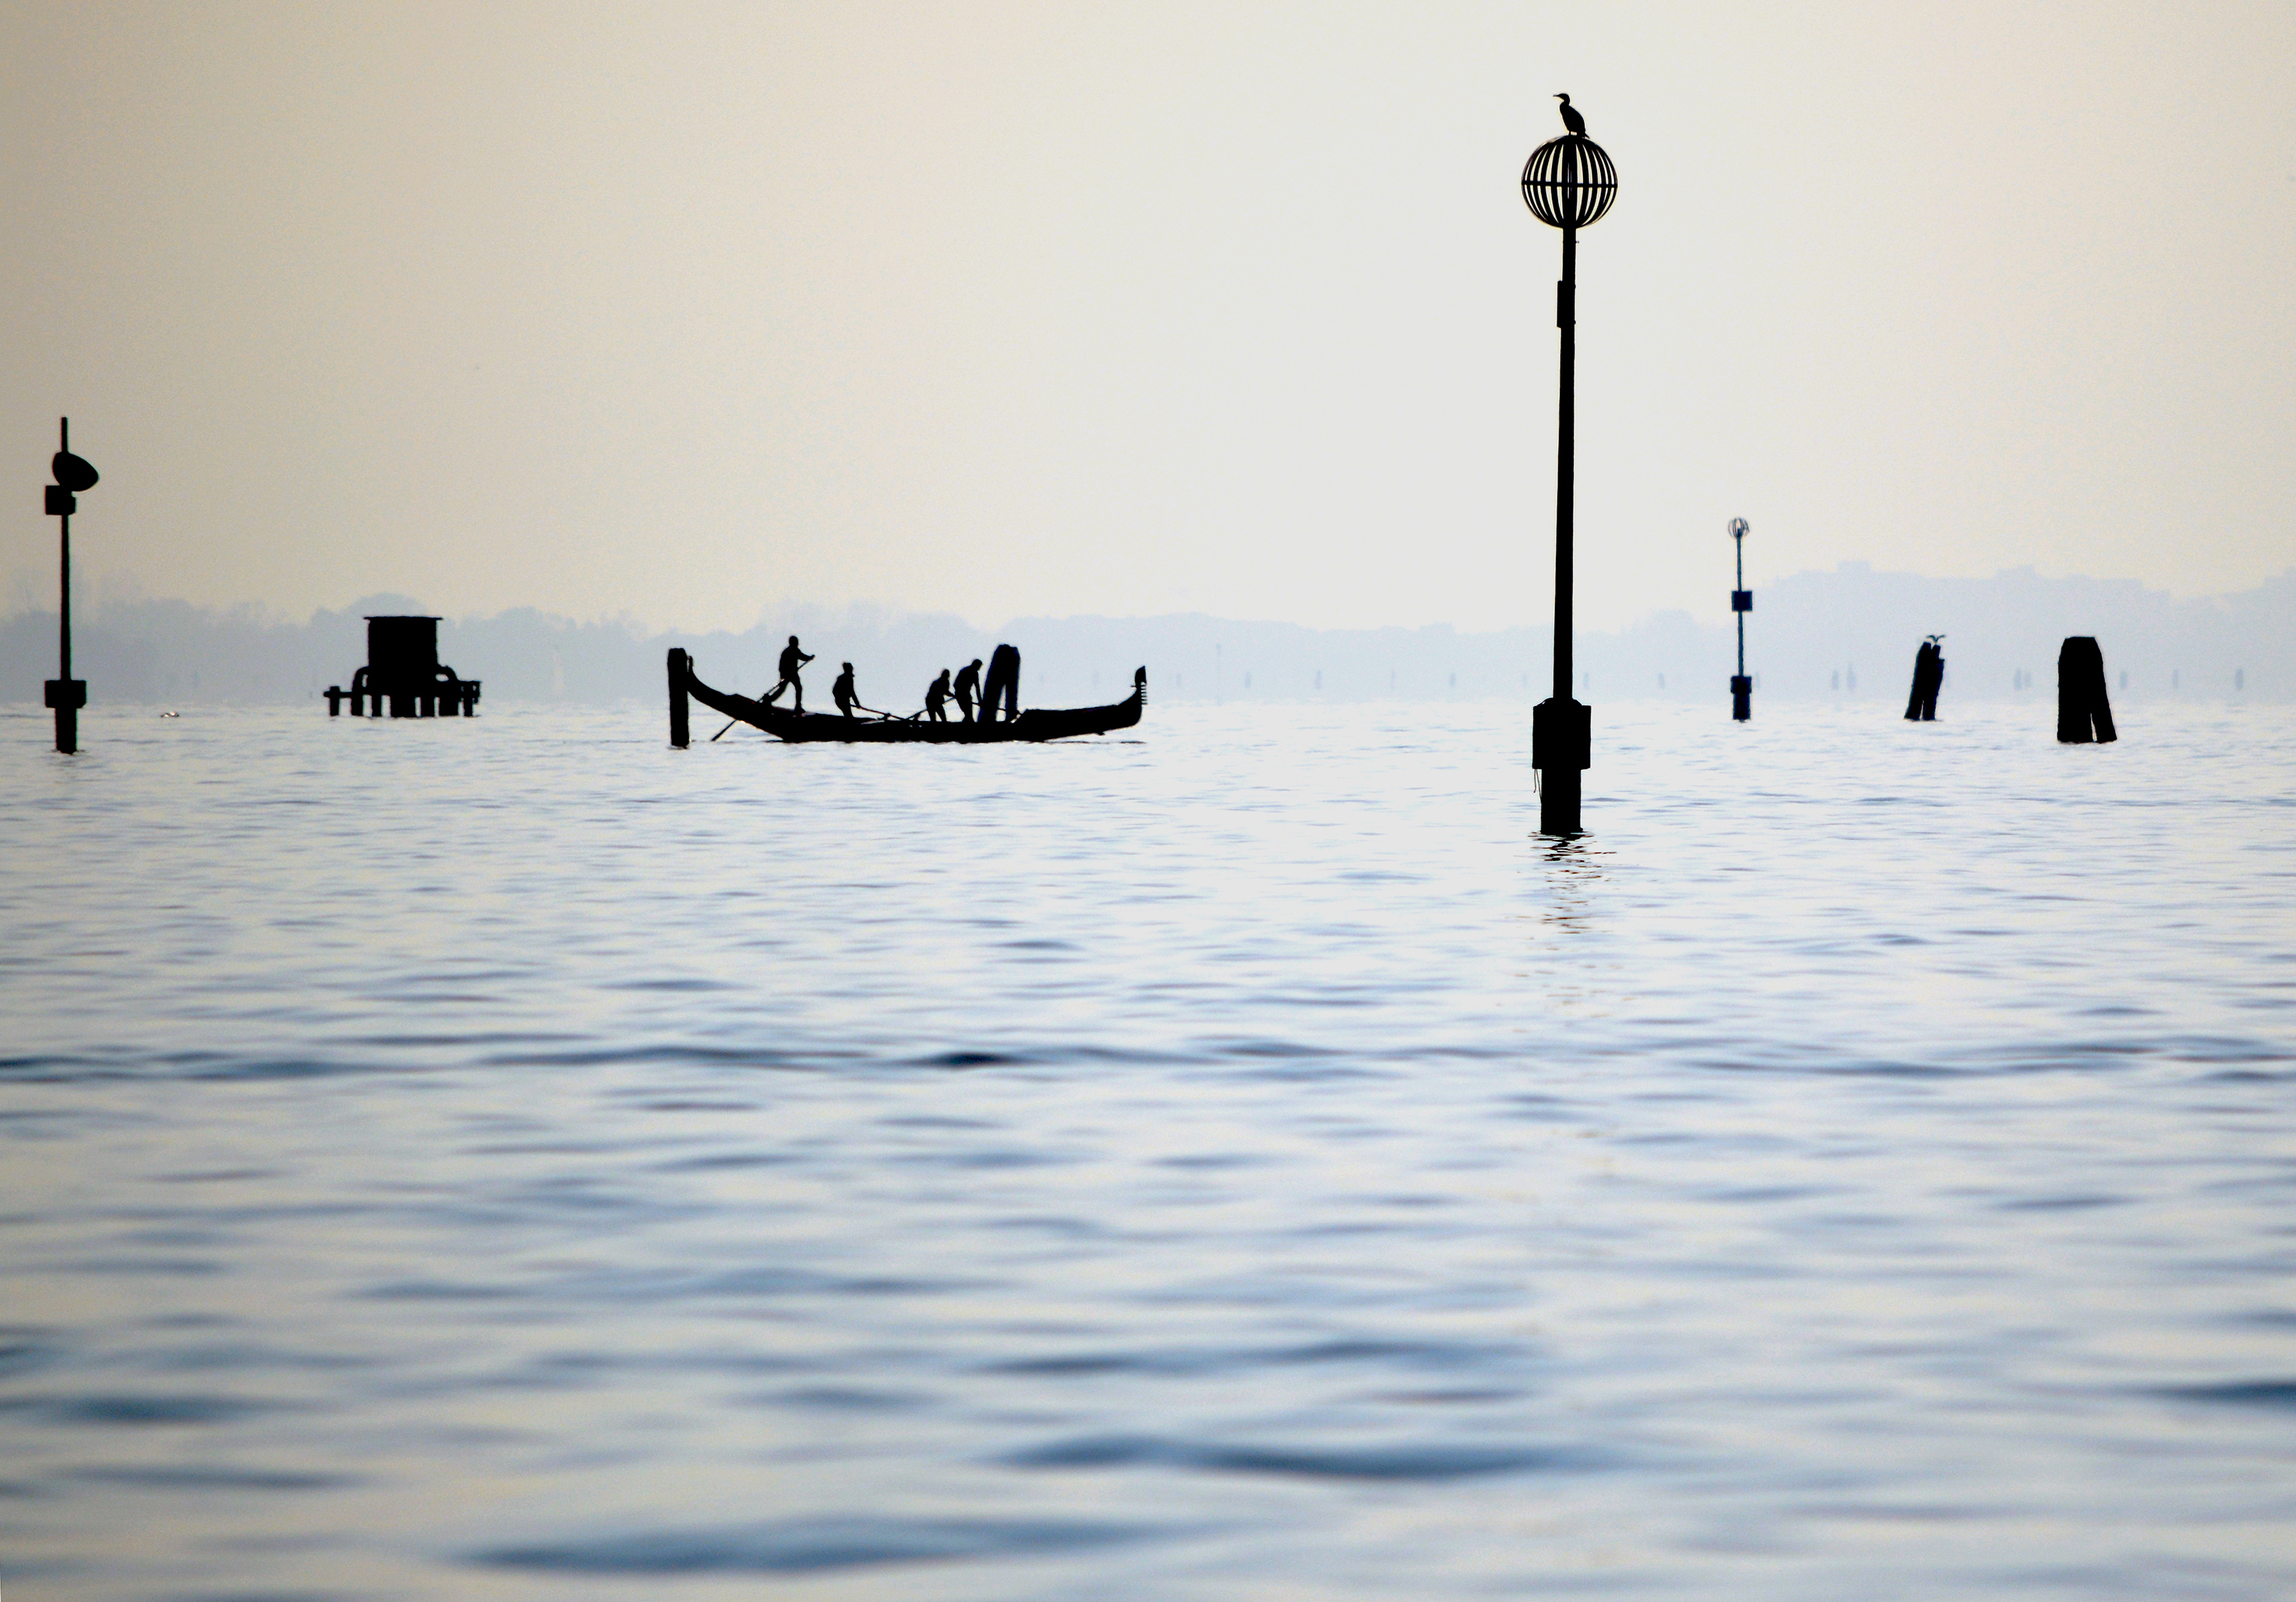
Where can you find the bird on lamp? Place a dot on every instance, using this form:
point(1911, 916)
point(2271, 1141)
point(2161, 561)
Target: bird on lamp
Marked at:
point(1570, 118)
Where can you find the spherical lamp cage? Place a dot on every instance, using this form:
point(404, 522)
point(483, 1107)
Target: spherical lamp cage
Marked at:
point(1569, 183)
point(1740, 527)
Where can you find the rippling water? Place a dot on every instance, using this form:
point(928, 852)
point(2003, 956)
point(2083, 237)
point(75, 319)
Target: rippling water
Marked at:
point(509, 1159)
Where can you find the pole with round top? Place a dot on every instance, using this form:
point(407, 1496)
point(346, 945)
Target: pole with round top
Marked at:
point(1742, 602)
point(73, 476)
point(1568, 183)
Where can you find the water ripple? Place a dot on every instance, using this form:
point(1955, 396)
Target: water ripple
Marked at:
point(1429, 1462)
point(1242, 1160)
point(806, 1546)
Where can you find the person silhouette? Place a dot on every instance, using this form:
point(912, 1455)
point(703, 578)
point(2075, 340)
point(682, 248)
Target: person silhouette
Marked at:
point(792, 659)
point(1004, 686)
point(937, 698)
point(968, 688)
point(843, 693)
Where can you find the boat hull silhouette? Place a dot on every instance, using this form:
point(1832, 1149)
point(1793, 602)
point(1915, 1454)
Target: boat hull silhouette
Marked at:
point(1037, 723)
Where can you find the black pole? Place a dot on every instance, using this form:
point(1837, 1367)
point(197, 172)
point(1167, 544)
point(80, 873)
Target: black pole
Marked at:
point(1742, 602)
point(680, 667)
point(63, 639)
point(1567, 182)
point(67, 716)
point(1740, 538)
point(60, 695)
point(1565, 458)
point(1559, 784)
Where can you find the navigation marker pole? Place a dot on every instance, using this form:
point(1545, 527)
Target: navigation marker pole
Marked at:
point(1568, 183)
point(66, 693)
point(1742, 602)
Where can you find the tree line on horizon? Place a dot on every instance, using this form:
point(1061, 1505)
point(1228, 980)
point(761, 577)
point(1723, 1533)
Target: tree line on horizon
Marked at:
point(1849, 633)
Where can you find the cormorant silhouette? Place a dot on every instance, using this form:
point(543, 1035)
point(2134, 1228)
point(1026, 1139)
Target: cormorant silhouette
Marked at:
point(1570, 118)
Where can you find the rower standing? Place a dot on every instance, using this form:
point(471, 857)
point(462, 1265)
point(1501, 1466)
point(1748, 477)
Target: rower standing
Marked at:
point(937, 698)
point(968, 687)
point(794, 658)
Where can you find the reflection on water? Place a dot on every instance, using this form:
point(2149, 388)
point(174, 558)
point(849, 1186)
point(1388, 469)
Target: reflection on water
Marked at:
point(1571, 867)
point(511, 1159)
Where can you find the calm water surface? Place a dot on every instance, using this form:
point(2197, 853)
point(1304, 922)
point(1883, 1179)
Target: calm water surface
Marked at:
point(511, 1160)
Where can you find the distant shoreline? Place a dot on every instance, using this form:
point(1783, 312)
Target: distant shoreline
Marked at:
point(1848, 632)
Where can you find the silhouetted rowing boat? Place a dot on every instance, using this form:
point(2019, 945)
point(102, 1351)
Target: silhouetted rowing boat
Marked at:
point(1037, 723)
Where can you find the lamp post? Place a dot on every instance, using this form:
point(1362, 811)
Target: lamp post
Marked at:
point(66, 693)
point(1568, 183)
point(1742, 602)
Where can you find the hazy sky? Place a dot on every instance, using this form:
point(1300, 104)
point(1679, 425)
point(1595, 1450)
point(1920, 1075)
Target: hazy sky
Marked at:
point(682, 310)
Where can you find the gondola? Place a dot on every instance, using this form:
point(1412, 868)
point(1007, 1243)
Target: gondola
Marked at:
point(1037, 723)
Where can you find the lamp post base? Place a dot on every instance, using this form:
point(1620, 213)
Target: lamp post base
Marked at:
point(1558, 801)
point(66, 696)
point(1562, 745)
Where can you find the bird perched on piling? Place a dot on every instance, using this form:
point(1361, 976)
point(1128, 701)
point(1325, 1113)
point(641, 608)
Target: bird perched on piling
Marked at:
point(1570, 118)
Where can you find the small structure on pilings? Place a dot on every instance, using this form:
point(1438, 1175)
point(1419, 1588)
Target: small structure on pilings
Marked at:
point(404, 674)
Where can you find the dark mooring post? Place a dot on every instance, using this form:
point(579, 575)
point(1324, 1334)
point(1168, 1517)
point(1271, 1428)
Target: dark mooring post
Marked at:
point(1929, 679)
point(679, 668)
point(66, 694)
point(1742, 602)
point(2084, 714)
point(1568, 183)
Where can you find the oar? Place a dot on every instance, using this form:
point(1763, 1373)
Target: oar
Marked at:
point(889, 718)
point(721, 733)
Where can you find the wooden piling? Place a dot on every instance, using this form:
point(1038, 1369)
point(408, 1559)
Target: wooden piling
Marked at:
point(679, 666)
point(1929, 678)
point(2084, 711)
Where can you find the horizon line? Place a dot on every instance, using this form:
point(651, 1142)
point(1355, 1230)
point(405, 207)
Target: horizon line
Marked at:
point(268, 614)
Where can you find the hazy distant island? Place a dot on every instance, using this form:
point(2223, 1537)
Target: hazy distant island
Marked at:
point(1849, 632)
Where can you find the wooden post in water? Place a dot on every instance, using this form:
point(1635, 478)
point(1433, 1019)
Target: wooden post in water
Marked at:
point(2084, 714)
point(679, 666)
point(1929, 678)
